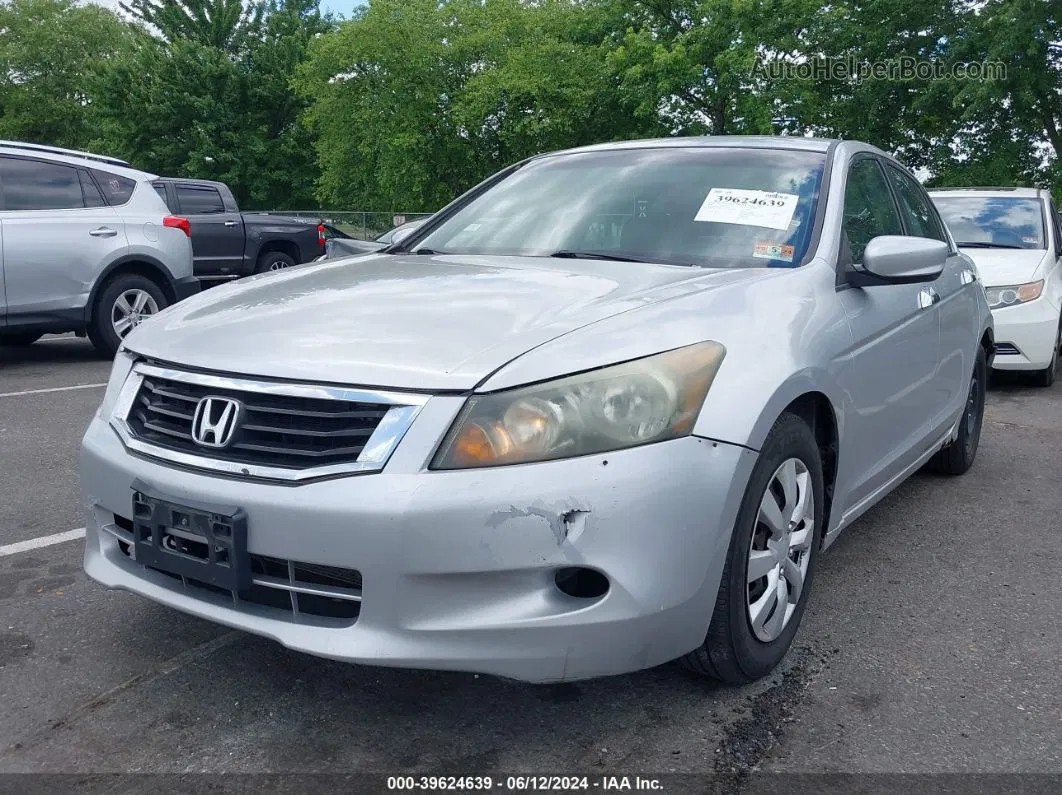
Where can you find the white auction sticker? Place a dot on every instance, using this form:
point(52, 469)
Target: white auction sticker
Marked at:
point(748, 208)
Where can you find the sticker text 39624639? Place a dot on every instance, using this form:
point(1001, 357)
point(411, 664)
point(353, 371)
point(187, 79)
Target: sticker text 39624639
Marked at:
point(748, 208)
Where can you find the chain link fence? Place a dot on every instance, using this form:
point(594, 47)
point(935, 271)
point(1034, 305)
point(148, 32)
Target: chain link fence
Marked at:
point(357, 224)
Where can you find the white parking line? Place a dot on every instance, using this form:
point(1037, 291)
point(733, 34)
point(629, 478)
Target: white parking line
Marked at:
point(43, 541)
point(52, 389)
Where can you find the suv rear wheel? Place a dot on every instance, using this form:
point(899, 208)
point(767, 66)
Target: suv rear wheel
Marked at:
point(18, 339)
point(122, 304)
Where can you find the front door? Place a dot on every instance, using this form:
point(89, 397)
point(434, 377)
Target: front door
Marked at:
point(892, 380)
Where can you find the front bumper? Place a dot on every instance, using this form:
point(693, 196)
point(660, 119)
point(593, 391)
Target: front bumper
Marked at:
point(458, 568)
point(186, 287)
point(1025, 335)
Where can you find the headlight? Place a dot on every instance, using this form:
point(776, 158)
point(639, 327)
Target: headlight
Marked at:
point(999, 297)
point(123, 363)
point(647, 400)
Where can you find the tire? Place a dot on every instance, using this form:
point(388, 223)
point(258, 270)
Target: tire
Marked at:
point(19, 339)
point(1046, 377)
point(957, 457)
point(102, 330)
point(274, 261)
point(733, 650)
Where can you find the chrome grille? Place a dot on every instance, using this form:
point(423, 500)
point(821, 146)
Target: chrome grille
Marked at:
point(284, 431)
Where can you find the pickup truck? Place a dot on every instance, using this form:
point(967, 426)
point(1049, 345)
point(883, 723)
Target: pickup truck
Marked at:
point(228, 244)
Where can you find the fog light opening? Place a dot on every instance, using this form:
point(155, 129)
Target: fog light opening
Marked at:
point(582, 583)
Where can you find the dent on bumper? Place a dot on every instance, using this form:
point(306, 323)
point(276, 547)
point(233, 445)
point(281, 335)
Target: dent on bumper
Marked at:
point(458, 567)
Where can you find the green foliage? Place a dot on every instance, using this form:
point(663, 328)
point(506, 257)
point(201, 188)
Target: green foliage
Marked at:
point(411, 102)
point(223, 24)
point(182, 105)
point(46, 47)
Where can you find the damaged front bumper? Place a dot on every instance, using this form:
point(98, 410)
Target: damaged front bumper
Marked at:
point(459, 570)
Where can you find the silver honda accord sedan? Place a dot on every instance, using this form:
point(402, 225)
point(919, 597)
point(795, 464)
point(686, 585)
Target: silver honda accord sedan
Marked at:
point(604, 411)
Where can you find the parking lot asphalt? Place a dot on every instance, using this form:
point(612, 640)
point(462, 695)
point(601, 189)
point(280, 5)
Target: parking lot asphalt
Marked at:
point(932, 643)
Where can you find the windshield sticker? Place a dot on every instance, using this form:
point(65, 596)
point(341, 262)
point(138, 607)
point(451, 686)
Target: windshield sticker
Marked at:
point(773, 251)
point(1032, 240)
point(748, 208)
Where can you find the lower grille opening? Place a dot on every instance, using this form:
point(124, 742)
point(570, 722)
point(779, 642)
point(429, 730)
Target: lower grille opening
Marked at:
point(280, 583)
point(582, 583)
point(1007, 349)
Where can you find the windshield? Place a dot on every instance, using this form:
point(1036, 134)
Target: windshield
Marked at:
point(993, 221)
point(712, 207)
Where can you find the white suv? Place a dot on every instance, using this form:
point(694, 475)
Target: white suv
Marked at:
point(87, 246)
point(1014, 237)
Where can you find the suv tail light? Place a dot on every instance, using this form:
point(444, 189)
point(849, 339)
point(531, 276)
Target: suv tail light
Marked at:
point(321, 235)
point(176, 222)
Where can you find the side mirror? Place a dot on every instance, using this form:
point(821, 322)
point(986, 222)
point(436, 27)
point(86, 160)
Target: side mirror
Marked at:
point(905, 260)
point(401, 235)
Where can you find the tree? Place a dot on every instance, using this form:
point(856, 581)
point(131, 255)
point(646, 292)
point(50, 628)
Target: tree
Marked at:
point(186, 107)
point(416, 100)
point(47, 47)
point(224, 24)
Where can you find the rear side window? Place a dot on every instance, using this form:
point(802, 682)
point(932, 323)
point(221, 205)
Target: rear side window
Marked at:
point(199, 200)
point(869, 211)
point(116, 190)
point(921, 218)
point(160, 189)
point(38, 185)
point(90, 191)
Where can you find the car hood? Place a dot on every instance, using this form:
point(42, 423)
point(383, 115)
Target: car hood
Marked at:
point(1001, 267)
point(432, 323)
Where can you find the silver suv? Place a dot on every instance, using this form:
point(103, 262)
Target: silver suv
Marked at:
point(87, 246)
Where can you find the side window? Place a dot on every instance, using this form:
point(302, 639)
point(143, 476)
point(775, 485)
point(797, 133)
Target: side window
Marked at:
point(199, 200)
point(116, 190)
point(918, 212)
point(869, 210)
point(38, 185)
point(160, 189)
point(90, 191)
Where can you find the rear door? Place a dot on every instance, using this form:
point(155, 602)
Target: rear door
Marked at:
point(217, 231)
point(956, 298)
point(57, 232)
point(894, 361)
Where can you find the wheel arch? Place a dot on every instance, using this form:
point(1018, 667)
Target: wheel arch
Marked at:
point(811, 397)
point(288, 247)
point(136, 265)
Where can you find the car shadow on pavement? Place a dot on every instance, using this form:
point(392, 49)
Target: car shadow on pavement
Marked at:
point(51, 350)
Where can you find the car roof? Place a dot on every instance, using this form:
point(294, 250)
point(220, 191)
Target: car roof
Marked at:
point(798, 143)
point(966, 193)
point(72, 157)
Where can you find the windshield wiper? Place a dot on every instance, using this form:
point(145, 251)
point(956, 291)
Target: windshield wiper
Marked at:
point(563, 254)
point(428, 251)
point(986, 245)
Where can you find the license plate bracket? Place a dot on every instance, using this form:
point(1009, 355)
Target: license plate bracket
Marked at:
point(200, 542)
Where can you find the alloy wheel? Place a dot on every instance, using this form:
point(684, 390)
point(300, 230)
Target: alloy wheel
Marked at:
point(780, 550)
point(130, 309)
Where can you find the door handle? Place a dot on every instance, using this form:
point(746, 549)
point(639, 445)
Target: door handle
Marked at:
point(967, 276)
point(230, 223)
point(928, 297)
point(103, 231)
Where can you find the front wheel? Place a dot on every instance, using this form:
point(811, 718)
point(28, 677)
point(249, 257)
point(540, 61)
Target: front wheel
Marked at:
point(771, 561)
